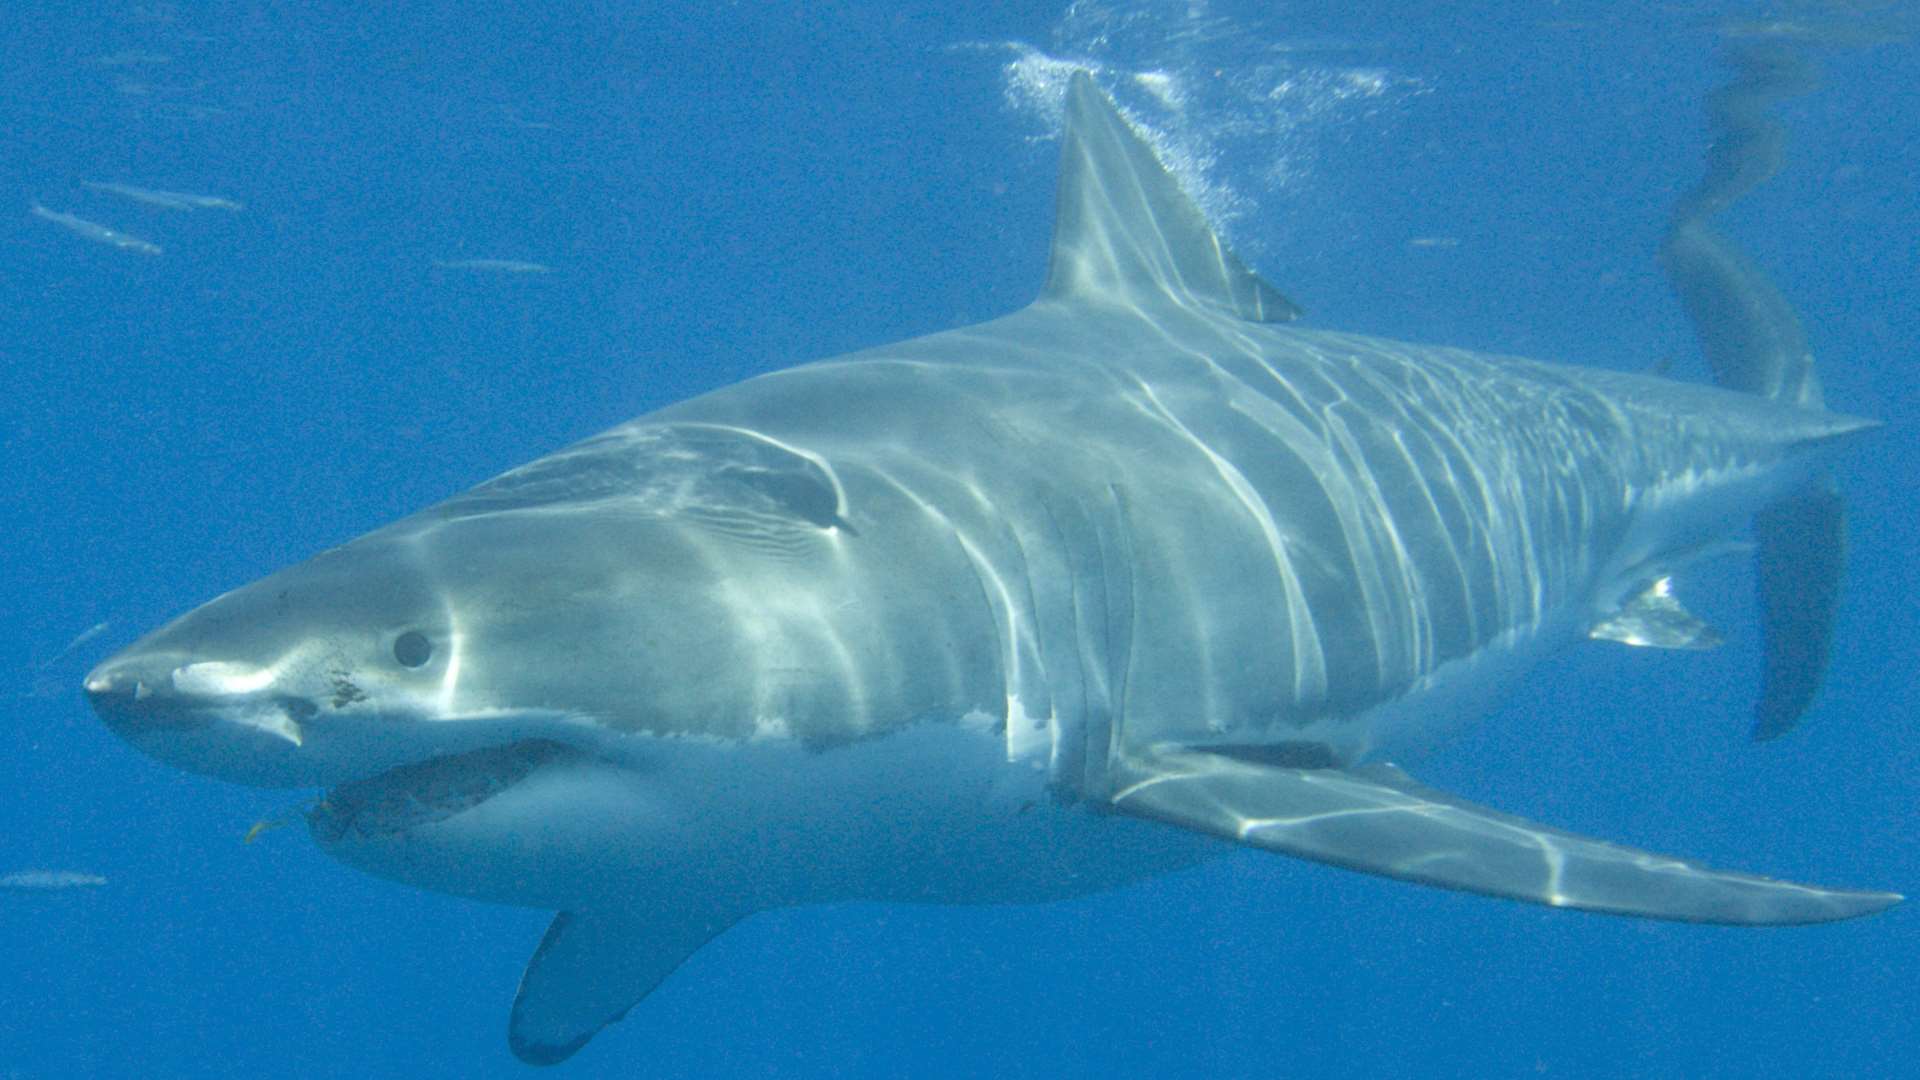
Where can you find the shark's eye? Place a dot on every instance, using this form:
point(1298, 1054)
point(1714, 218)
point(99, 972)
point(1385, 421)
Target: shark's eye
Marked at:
point(412, 649)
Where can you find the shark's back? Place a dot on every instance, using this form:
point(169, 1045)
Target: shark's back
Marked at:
point(1315, 524)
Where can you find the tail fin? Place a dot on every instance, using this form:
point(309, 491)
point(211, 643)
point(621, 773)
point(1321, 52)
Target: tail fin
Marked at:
point(1754, 343)
point(1801, 544)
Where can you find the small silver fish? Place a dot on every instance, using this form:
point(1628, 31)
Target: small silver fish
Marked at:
point(37, 880)
point(170, 200)
point(83, 637)
point(96, 232)
point(496, 266)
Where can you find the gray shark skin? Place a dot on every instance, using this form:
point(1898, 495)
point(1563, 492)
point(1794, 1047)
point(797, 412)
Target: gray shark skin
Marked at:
point(1015, 612)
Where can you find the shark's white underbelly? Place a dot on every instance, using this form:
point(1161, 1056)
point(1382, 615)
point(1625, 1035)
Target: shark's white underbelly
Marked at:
point(932, 813)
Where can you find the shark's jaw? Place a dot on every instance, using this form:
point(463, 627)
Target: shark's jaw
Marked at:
point(533, 822)
point(395, 803)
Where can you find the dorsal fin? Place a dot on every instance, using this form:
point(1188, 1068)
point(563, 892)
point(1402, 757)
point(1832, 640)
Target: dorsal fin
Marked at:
point(1126, 233)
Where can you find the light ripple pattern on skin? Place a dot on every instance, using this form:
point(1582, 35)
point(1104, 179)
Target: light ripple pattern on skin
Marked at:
point(1004, 614)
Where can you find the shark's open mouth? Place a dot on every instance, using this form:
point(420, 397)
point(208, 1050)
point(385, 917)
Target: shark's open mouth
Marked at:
point(411, 796)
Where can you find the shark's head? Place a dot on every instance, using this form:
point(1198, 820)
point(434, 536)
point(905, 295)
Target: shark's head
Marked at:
point(284, 682)
point(608, 592)
point(424, 639)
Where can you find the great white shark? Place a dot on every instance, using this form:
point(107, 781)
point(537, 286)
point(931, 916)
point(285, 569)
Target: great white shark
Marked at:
point(1009, 613)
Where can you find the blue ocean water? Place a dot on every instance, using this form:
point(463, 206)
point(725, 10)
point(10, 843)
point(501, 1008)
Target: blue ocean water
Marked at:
point(722, 192)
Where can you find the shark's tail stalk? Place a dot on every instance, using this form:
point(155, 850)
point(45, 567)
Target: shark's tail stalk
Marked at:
point(1754, 343)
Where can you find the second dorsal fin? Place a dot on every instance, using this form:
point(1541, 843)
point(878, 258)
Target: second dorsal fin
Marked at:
point(1126, 233)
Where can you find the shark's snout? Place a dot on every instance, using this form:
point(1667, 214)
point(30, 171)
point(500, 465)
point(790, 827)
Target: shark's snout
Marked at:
point(111, 690)
point(210, 717)
point(135, 694)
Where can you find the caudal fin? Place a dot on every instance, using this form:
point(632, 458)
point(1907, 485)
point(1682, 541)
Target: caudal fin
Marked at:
point(1801, 556)
point(1753, 342)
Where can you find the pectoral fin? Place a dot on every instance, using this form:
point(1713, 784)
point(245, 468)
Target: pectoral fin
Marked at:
point(592, 967)
point(1379, 820)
